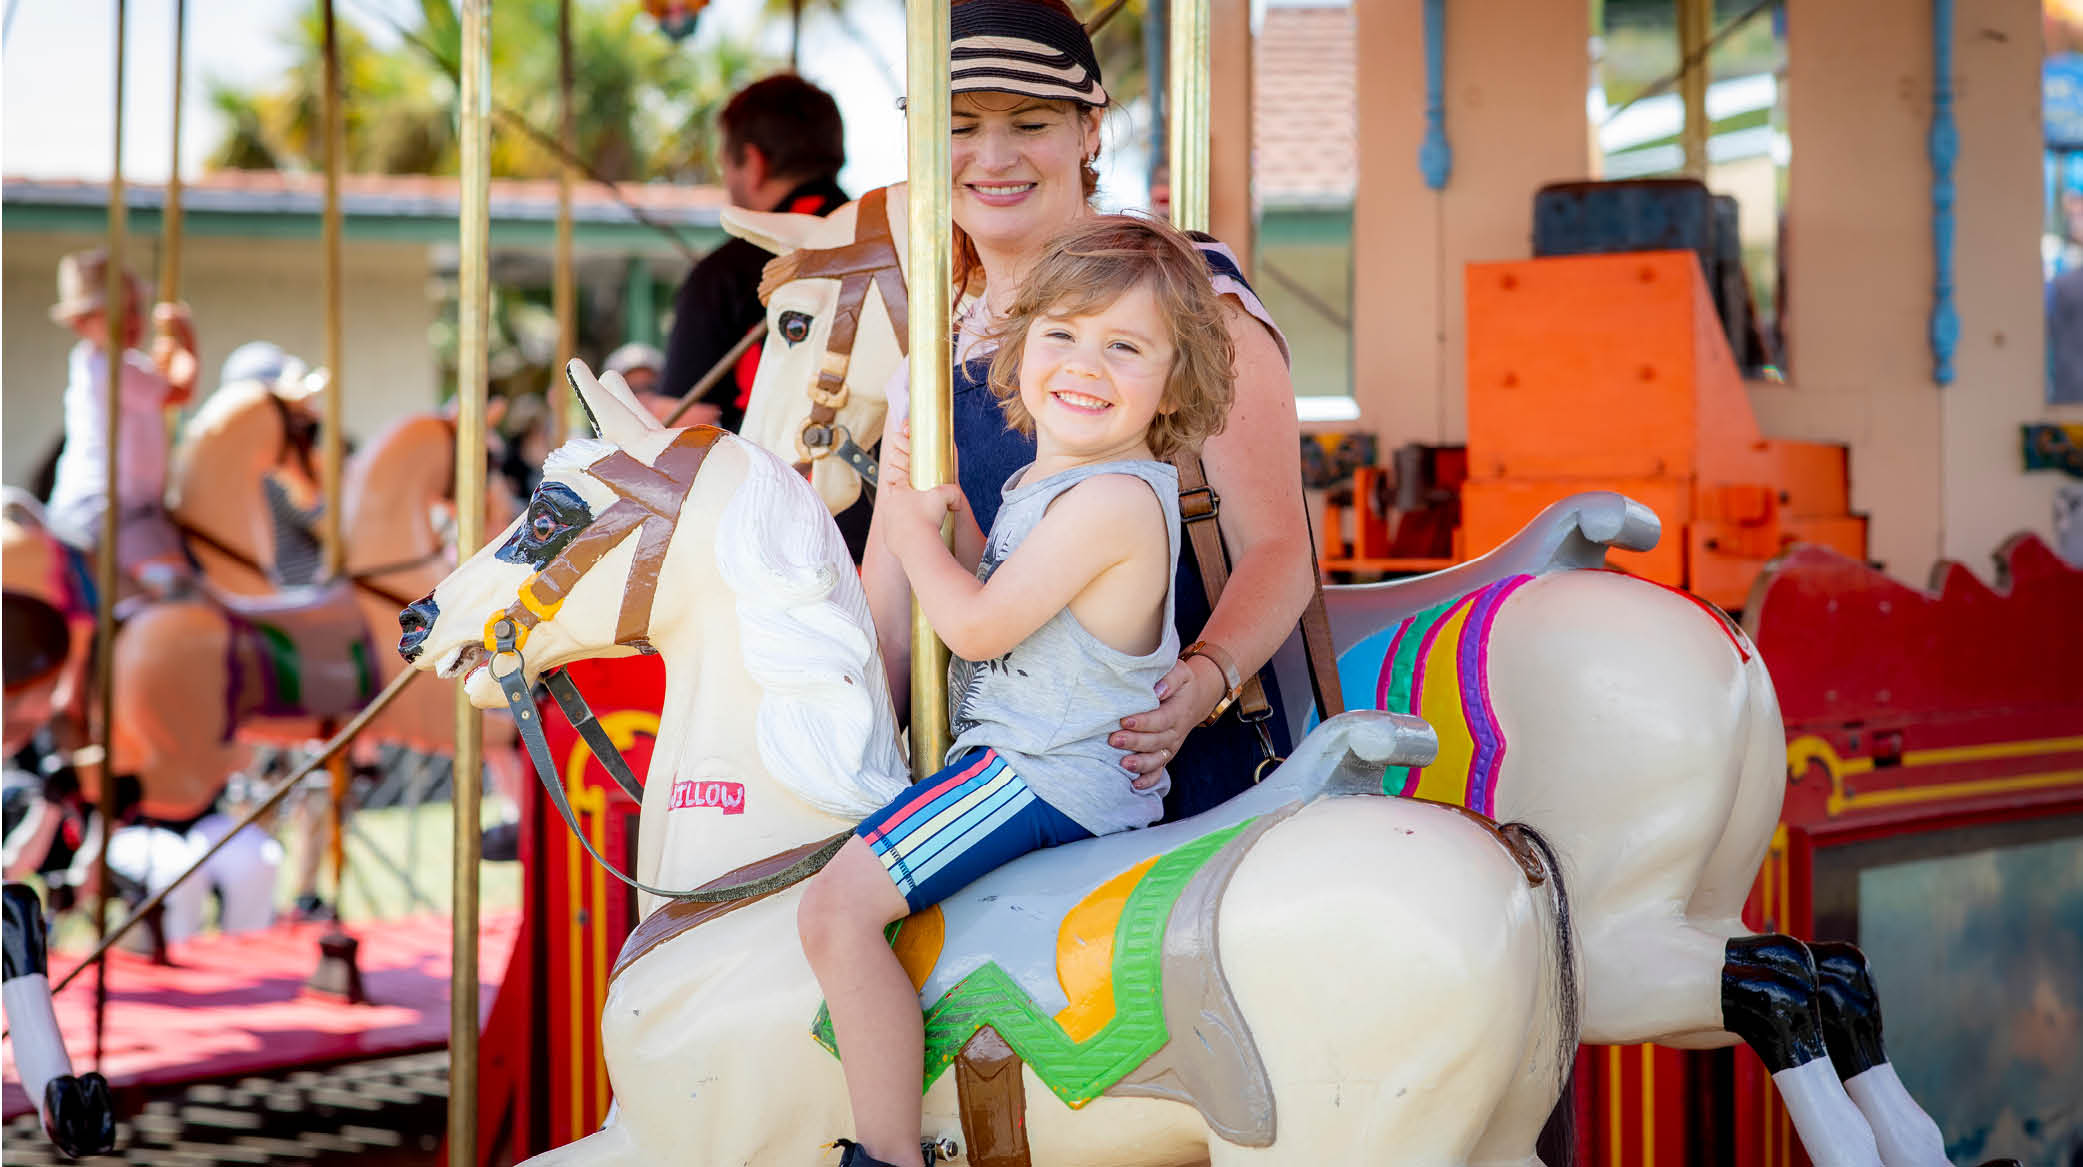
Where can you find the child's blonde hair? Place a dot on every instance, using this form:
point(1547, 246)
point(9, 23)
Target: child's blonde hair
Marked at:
point(1093, 263)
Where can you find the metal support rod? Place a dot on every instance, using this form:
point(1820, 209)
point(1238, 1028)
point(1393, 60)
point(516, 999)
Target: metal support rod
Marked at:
point(473, 313)
point(564, 288)
point(334, 448)
point(932, 284)
point(1189, 114)
point(170, 214)
point(1695, 26)
point(333, 746)
point(116, 311)
point(717, 372)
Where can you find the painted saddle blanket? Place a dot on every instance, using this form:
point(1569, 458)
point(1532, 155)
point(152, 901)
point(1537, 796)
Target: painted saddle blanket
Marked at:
point(303, 653)
point(1096, 963)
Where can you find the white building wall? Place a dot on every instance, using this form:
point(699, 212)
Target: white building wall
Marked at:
point(239, 290)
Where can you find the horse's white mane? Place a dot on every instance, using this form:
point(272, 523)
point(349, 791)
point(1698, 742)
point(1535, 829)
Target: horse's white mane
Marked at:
point(574, 456)
point(825, 726)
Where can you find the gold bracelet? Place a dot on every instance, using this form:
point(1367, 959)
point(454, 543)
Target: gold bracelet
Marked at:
point(1225, 664)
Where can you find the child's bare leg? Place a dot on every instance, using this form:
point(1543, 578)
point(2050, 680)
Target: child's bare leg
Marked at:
point(875, 1010)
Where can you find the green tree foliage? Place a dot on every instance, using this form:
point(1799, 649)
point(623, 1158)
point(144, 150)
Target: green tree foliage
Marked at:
point(644, 107)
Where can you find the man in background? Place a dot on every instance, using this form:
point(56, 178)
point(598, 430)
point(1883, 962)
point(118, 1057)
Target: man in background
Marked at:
point(783, 146)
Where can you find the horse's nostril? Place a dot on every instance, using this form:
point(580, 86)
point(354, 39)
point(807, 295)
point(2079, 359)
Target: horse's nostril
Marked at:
point(415, 622)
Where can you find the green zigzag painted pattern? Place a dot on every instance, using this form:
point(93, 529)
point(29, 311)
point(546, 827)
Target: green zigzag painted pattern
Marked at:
point(1076, 1071)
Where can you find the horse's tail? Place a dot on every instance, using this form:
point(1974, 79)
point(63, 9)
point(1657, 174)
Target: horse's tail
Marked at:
point(1561, 1127)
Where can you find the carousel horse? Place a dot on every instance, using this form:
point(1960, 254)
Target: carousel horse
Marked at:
point(1315, 974)
point(199, 681)
point(1631, 723)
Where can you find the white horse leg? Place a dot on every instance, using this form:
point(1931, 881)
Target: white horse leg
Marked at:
point(243, 872)
point(1770, 999)
point(77, 1113)
point(1732, 867)
point(1908, 1136)
point(152, 856)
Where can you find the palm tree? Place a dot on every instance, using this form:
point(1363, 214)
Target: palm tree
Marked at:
point(645, 108)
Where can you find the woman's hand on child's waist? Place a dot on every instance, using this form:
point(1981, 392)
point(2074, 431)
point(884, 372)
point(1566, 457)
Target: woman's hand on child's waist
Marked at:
point(1185, 697)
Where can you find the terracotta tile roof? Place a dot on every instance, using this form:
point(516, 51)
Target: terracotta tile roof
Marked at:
point(269, 191)
point(1303, 123)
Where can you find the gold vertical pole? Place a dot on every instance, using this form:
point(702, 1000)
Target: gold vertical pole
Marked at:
point(932, 278)
point(333, 447)
point(115, 287)
point(1189, 114)
point(473, 273)
point(1695, 25)
point(564, 291)
point(170, 215)
point(335, 158)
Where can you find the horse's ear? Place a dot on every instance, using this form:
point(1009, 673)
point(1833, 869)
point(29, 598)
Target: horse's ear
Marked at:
point(776, 231)
point(610, 406)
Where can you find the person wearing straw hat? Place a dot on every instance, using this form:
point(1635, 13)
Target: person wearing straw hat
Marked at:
point(1027, 105)
point(147, 546)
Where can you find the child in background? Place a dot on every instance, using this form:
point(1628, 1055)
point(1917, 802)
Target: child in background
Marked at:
point(148, 548)
point(1116, 356)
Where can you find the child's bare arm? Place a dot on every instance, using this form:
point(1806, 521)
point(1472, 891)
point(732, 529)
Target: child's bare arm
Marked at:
point(1093, 527)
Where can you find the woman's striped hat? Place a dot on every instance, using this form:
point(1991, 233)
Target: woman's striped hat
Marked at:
point(1022, 47)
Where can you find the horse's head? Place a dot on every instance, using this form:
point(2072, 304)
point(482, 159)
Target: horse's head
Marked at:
point(274, 425)
point(575, 574)
point(836, 327)
point(601, 563)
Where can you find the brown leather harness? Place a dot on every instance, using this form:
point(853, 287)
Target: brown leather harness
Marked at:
point(648, 502)
point(869, 262)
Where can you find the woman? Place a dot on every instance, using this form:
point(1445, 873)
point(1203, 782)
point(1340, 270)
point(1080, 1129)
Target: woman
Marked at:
point(1027, 101)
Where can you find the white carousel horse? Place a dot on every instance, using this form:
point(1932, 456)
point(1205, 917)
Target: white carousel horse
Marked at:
point(1386, 984)
point(1633, 725)
point(78, 1115)
point(200, 680)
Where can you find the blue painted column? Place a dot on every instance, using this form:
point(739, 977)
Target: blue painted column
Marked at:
point(1944, 147)
point(1435, 157)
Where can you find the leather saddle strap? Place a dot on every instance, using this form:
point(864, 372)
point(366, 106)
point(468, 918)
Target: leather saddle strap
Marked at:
point(1198, 508)
point(992, 1100)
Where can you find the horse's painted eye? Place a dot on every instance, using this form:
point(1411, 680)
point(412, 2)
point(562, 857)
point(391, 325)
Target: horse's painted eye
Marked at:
point(555, 517)
point(795, 327)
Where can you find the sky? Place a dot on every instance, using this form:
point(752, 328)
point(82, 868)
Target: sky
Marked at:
point(56, 63)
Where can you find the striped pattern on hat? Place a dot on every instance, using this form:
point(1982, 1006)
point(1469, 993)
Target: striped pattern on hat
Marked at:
point(1021, 47)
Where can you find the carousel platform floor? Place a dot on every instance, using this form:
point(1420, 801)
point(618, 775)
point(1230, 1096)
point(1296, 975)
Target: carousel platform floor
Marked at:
point(236, 1006)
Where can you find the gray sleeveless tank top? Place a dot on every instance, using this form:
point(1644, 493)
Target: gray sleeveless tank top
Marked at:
point(1048, 705)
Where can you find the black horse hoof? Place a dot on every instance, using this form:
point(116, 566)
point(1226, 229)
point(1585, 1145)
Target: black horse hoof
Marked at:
point(1774, 1014)
point(1850, 1006)
point(79, 1116)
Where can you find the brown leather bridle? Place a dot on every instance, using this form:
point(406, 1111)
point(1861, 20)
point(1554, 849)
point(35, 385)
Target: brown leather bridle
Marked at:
point(648, 501)
point(870, 261)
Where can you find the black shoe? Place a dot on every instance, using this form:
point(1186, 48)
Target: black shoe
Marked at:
point(310, 908)
point(502, 843)
point(852, 1154)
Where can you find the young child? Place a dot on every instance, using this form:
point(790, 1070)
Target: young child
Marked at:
point(1115, 355)
point(147, 546)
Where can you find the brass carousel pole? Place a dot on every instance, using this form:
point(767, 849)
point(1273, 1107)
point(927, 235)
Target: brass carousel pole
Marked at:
point(333, 448)
point(473, 277)
point(170, 214)
point(1188, 114)
point(115, 292)
point(564, 291)
point(932, 279)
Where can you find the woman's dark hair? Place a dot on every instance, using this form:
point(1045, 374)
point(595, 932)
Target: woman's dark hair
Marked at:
point(795, 124)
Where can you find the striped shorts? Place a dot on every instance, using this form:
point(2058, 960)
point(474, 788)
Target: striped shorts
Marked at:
point(942, 834)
